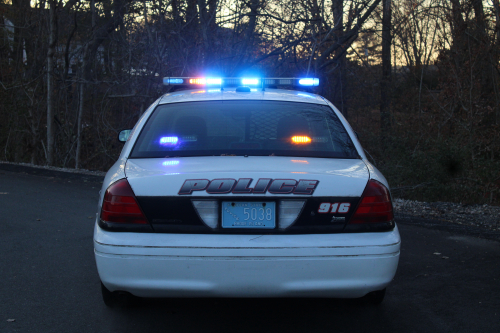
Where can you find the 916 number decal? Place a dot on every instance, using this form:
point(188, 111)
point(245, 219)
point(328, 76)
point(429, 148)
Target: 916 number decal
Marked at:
point(336, 207)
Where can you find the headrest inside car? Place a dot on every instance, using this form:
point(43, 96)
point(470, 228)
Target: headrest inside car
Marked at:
point(191, 125)
point(291, 126)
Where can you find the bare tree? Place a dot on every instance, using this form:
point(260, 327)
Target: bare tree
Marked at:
point(50, 79)
point(385, 83)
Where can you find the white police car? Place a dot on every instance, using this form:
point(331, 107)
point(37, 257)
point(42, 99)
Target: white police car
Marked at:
point(244, 191)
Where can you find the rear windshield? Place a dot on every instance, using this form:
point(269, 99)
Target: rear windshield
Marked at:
point(252, 128)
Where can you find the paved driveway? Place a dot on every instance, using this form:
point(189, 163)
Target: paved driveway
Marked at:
point(446, 282)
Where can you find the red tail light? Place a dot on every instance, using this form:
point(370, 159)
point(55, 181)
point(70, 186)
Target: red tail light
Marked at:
point(120, 205)
point(375, 205)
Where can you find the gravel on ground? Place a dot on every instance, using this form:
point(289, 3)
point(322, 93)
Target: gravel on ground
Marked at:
point(473, 220)
point(484, 216)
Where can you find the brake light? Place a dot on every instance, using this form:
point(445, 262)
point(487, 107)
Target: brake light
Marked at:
point(120, 205)
point(375, 205)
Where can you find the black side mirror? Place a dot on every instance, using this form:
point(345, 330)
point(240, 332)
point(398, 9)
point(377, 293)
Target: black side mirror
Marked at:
point(357, 135)
point(124, 135)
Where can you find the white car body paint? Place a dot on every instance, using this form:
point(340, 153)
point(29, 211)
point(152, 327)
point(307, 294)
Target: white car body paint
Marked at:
point(231, 94)
point(231, 265)
point(337, 177)
point(187, 265)
point(376, 174)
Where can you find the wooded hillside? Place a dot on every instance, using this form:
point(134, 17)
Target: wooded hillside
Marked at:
point(418, 80)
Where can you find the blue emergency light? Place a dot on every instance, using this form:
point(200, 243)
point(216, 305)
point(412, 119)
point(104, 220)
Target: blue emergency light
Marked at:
point(169, 140)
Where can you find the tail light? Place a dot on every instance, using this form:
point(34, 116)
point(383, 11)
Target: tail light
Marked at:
point(120, 205)
point(375, 205)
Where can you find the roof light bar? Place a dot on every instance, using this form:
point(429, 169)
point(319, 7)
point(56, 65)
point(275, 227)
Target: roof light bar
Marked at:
point(235, 82)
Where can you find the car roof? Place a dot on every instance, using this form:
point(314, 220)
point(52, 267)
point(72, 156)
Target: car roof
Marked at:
point(197, 95)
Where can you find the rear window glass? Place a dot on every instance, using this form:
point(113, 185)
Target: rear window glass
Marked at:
point(253, 128)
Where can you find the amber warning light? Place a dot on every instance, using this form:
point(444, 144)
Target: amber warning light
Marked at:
point(198, 81)
point(299, 139)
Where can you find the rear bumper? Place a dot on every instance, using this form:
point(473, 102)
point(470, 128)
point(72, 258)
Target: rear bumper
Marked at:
point(181, 265)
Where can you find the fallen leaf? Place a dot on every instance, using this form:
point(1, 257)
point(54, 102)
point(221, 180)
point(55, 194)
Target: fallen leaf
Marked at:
point(11, 320)
point(445, 257)
point(38, 219)
point(437, 253)
point(90, 217)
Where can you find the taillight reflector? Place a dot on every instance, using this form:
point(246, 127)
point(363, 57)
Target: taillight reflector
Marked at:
point(208, 210)
point(120, 205)
point(375, 205)
point(289, 212)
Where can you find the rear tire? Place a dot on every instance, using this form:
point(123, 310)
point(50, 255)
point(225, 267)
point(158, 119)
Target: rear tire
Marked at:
point(375, 297)
point(107, 296)
point(118, 298)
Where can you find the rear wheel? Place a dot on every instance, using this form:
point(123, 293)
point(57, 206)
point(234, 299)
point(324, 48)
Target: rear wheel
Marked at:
point(107, 296)
point(375, 297)
point(118, 298)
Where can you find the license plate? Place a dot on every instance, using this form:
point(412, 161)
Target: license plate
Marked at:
point(255, 214)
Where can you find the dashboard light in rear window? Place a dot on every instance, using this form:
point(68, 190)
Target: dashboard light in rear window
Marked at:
point(189, 138)
point(167, 163)
point(169, 140)
point(299, 139)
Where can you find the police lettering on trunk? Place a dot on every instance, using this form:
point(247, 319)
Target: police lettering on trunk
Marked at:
point(244, 186)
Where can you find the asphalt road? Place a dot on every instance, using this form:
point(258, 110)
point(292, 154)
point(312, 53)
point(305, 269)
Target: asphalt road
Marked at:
point(49, 282)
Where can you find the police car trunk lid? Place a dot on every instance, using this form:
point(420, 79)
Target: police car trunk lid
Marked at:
point(165, 176)
point(166, 188)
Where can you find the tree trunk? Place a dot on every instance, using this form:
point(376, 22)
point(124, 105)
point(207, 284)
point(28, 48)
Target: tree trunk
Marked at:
point(338, 15)
point(480, 21)
point(339, 77)
point(249, 34)
point(385, 84)
point(50, 81)
point(80, 109)
point(203, 13)
point(97, 38)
